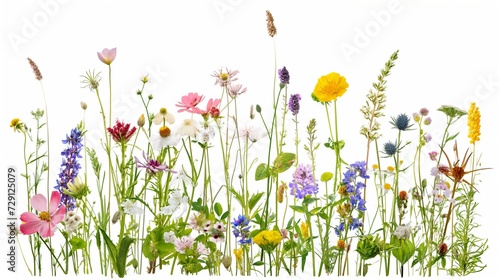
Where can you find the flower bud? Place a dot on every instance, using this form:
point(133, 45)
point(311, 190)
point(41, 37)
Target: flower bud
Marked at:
point(141, 121)
point(83, 105)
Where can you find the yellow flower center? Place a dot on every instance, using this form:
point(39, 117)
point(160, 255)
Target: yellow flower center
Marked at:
point(387, 186)
point(375, 166)
point(44, 216)
point(14, 122)
point(164, 131)
point(224, 76)
point(390, 168)
point(163, 111)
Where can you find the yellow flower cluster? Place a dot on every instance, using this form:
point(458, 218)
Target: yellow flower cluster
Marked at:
point(268, 239)
point(330, 87)
point(473, 121)
point(304, 229)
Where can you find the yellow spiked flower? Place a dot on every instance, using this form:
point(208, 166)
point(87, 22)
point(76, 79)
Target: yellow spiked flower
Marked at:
point(304, 229)
point(473, 121)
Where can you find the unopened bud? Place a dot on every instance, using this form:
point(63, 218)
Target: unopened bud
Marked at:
point(226, 261)
point(83, 105)
point(141, 121)
point(116, 217)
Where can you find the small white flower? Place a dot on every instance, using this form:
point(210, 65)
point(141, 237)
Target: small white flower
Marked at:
point(132, 208)
point(403, 232)
point(169, 237)
point(164, 138)
point(178, 204)
point(205, 134)
point(247, 130)
point(188, 128)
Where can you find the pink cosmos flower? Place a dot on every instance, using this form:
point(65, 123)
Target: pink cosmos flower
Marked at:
point(212, 108)
point(45, 222)
point(107, 55)
point(189, 102)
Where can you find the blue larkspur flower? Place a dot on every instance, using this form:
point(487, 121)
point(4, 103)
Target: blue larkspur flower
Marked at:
point(70, 166)
point(241, 229)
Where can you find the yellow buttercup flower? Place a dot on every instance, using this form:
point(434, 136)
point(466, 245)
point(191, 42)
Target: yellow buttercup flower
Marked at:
point(330, 87)
point(268, 239)
point(17, 125)
point(238, 253)
point(473, 121)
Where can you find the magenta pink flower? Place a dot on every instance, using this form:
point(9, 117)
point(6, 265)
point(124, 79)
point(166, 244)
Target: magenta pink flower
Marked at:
point(189, 102)
point(107, 55)
point(45, 222)
point(212, 108)
point(152, 166)
point(121, 132)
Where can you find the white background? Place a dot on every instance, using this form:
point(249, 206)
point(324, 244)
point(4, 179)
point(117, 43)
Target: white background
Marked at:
point(449, 54)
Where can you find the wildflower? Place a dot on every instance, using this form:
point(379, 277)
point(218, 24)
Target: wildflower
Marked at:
point(303, 182)
point(339, 229)
point(427, 121)
point(225, 78)
point(205, 134)
point(188, 128)
point(217, 232)
point(121, 132)
point(424, 111)
point(238, 253)
point(441, 191)
point(248, 130)
point(152, 166)
point(76, 189)
point(163, 116)
point(390, 169)
point(183, 243)
point(70, 167)
point(284, 76)
point(107, 55)
point(326, 176)
point(401, 122)
point(236, 89)
point(141, 121)
point(304, 230)
point(268, 239)
point(132, 208)
point(189, 102)
point(330, 87)
point(416, 117)
point(169, 237)
point(293, 104)
point(201, 249)
point(72, 221)
point(17, 125)
point(281, 191)
point(271, 29)
point(177, 204)
point(390, 149)
point(341, 244)
point(403, 231)
point(241, 229)
point(196, 221)
point(164, 138)
point(452, 112)
point(442, 249)
point(284, 233)
point(473, 121)
point(212, 109)
point(386, 187)
point(403, 195)
point(47, 219)
point(83, 105)
point(38, 74)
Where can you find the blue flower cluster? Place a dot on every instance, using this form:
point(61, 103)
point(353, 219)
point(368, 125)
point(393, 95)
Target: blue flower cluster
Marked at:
point(353, 189)
point(303, 182)
point(241, 229)
point(70, 166)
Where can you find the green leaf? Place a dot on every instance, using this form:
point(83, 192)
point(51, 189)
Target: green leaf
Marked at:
point(258, 263)
point(218, 208)
point(121, 259)
point(262, 172)
point(315, 210)
point(77, 243)
point(297, 208)
point(452, 137)
point(254, 199)
point(111, 247)
point(404, 249)
point(224, 216)
point(284, 161)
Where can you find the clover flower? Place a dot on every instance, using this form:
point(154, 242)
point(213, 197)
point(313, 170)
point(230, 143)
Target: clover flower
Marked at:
point(330, 87)
point(121, 132)
point(70, 166)
point(303, 182)
point(293, 103)
point(47, 218)
point(183, 243)
point(72, 221)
